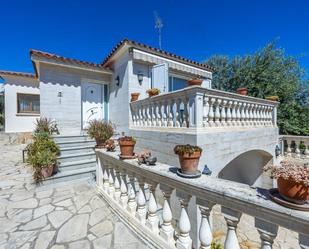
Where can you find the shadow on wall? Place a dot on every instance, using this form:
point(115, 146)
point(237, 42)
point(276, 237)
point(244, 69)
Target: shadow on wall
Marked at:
point(247, 168)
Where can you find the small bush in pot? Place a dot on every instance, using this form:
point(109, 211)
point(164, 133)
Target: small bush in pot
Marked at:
point(46, 125)
point(127, 146)
point(101, 131)
point(42, 156)
point(292, 180)
point(134, 96)
point(189, 156)
point(153, 92)
point(195, 82)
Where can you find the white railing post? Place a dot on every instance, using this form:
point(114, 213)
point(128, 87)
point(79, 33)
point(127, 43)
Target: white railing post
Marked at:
point(105, 177)
point(167, 230)
point(217, 112)
point(123, 189)
point(111, 187)
point(141, 202)
point(267, 231)
point(211, 114)
point(117, 192)
point(99, 172)
point(184, 241)
point(205, 111)
point(131, 207)
point(205, 231)
point(232, 218)
point(152, 220)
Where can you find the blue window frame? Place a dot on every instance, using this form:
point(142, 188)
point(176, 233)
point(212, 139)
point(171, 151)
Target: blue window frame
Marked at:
point(175, 83)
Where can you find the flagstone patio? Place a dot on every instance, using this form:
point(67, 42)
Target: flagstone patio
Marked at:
point(69, 215)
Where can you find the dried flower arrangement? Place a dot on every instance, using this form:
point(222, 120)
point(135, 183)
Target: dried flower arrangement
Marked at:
point(153, 92)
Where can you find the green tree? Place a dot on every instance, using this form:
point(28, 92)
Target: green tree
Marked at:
point(268, 71)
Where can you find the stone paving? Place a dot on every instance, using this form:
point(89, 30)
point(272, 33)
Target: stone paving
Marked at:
point(69, 215)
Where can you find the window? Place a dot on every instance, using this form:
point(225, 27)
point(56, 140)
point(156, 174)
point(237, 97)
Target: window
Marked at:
point(175, 83)
point(28, 103)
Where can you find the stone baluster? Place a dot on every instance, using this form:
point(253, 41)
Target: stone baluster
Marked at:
point(131, 207)
point(243, 114)
point(258, 115)
point(234, 104)
point(143, 116)
point(238, 116)
point(153, 114)
point(303, 241)
point(229, 113)
point(167, 230)
point(267, 231)
point(247, 115)
point(111, 187)
point(141, 202)
point(152, 220)
point(184, 241)
point(123, 189)
point(117, 191)
point(205, 231)
point(211, 114)
point(297, 150)
point(251, 118)
point(177, 113)
point(254, 114)
point(185, 122)
point(149, 115)
point(133, 114)
point(232, 218)
point(165, 113)
point(139, 116)
point(269, 116)
point(262, 117)
point(288, 150)
point(223, 113)
point(105, 178)
point(171, 114)
point(205, 111)
point(217, 112)
point(306, 149)
point(159, 114)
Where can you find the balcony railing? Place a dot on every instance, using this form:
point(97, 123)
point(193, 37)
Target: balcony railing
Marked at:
point(198, 107)
point(123, 184)
point(296, 146)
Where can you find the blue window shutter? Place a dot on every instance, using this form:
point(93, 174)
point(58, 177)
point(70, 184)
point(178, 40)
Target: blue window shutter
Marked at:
point(160, 77)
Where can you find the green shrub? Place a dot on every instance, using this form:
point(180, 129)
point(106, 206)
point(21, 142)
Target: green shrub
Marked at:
point(41, 153)
point(216, 245)
point(45, 125)
point(100, 129)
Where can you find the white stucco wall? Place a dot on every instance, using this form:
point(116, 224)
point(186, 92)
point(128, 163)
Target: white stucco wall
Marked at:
point(15, 122)
point(68, 111)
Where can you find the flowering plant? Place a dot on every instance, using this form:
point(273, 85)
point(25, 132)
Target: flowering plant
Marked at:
point(288, 169)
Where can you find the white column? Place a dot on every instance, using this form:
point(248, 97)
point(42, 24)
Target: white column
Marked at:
point(177, 113)
point(228, 113)
point(234, 105)
point(211, 114)
point(117, 192)
point(141, 202)
point(123, 189)
point(165, 113)
point(288, 150)
point(159, 115)
point(184, 241)
point(105, 178)
point(238, 116)
point(152, 220)
point(232, 218)
point(205, 111)
point(205, 231)
point(99, 173)
point(267, 231)
point(111, 187)
point(217, 112)
point(243, 114)
point(171, 114)
point(167, 230)
point(223, 113)
point(131, 207)
point(185, 121)
point(303, 241)
point(297, 151)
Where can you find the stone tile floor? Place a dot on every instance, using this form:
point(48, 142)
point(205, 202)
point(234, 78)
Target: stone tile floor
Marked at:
point(69, 215)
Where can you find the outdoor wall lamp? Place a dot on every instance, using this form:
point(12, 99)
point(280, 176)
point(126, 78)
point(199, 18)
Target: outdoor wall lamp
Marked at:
point(117, 80)
point(59, 95)
point(140, 77)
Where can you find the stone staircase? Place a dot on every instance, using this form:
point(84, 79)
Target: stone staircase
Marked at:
point(77, 159)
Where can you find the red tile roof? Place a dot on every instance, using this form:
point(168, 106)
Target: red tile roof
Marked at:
point(159, 51)
point(64, 59)
point(11, 73)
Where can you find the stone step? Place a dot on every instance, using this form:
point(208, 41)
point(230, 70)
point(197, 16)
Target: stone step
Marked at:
point(68, 138)
point(87, 173)
point(82, 164)
point(75, 143)
point(76, 149)
point(76, 157)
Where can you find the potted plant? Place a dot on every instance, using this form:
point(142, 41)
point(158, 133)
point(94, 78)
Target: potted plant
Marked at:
point(292, 180)
point(134, 96)
point(42, 156)
point(127, 146)
point(189, 156)
point(242, 91)
point(153, 92)
point(272, 98)
point(195, 82)
point(100, 130)
point(46, 125)
point(110, 145)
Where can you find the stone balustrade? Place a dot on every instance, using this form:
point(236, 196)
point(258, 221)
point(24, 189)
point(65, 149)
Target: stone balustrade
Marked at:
point(296, 146)
point(198, 107)
point(124, 183)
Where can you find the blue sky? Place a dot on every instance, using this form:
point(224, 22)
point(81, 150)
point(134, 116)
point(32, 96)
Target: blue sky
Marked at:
point(88, 30)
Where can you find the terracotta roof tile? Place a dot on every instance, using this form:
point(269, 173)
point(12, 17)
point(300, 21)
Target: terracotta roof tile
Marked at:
point(162, 52)
point(64, 59)
point(11, 73)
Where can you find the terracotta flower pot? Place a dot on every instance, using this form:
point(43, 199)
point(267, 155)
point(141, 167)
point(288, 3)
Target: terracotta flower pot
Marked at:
point(242, 91)
point(189, 162)
point(127, 148)
point(100, 143)
point(151, 94)
point(195, 82)
point(292, 191)
point(134, 96)
point(47, 171)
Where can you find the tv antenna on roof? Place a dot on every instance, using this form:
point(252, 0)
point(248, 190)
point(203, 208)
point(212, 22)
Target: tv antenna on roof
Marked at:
point(159, 26)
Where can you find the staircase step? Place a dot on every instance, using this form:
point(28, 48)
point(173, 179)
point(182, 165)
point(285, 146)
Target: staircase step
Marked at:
point(87, 173)
point(63, 138)
point(76, 149)
point(76, 157)
point(75, 143)
point(81, 164)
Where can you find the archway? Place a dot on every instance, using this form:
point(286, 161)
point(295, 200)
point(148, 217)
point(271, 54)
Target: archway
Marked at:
point(247, 168)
